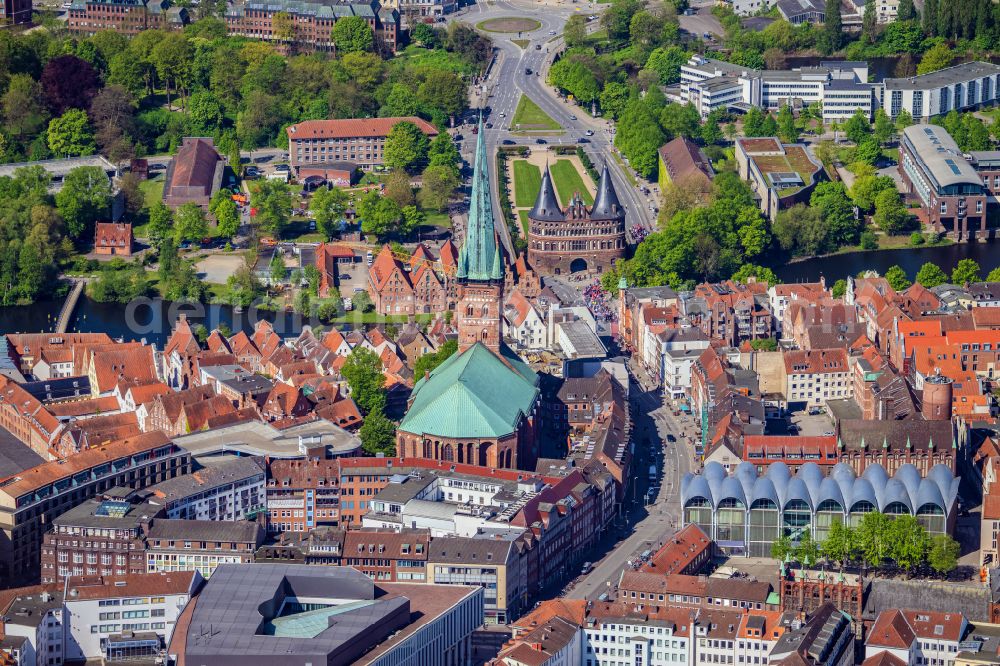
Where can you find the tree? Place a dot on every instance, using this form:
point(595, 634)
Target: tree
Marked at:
point(23, 113)
point(328, 207)
point(575, 31)
point(363, 302)
point(867, 187)
point(883, 129)
point(787, 130)
point(873, 538)
point(426, 363)
point(161, 222)
point(363, 372)
point(132, 195)
point(908, 541)
point(930, 275)
point(966, 271)
point(903, 120)
point(70, 134)
point(413, 217)
point(937, 57)
point(189, 223)
point(869, 24)
point(839, 543)
point(379, 215)
point(576, 78)
point(857, 128)
point(806, 550)
point(227, 216)
point(352, 34)
point(172, 57)
point(906, 11)
point(69, 82)
point(442, 151)
point(206, 112)
point(782, 548)
point(425, 36)
point(761, 273)
point(378, 434)
point(273, 203)
point(399, 189)
point(84, 198)
point(666, 61)
point(442, 90)
point(930, 17)
point(943, 553)
point(829, 39)
point(994, 275)
point(897, 279)
point(439, 183)
point(277, 269)
point(890, 214)
point(405, 146)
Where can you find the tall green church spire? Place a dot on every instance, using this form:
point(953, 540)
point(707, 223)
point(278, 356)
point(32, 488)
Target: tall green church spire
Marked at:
point(479, 257)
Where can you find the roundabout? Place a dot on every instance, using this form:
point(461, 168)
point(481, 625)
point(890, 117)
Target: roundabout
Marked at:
point(508, 24)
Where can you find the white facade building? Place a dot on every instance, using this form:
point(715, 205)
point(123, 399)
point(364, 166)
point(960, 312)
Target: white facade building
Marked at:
point(841, 87)
point(229, 490)
point(961, 87)
point(108, 618)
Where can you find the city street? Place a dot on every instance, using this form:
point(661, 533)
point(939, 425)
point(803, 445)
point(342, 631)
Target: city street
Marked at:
point(648, 525)
point(507, 81)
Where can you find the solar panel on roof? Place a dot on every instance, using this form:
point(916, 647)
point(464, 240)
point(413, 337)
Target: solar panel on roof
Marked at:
point(954, 167)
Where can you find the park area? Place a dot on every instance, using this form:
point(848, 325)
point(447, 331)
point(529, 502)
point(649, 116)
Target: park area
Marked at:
point(509, 24)
point(529, 116)
point(568, 177)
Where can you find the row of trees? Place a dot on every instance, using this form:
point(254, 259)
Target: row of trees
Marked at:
point(878, 539)
point(64, 96)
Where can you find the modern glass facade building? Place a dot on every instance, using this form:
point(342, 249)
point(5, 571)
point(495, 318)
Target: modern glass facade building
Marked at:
point(745, 512)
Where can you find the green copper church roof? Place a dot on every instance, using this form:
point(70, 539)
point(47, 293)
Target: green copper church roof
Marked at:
point(474, 394)
point(479, 257)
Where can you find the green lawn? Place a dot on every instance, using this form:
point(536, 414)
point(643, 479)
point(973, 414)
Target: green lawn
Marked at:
point(435, 59)
point(152, 189)
point(523, 215)
point(523, 43)
point(529, 116)
point(439, 220)
point(568, 181)
point(527, 182)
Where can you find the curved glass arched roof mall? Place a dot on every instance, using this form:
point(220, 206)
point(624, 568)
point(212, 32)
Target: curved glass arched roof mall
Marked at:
point(746, 512)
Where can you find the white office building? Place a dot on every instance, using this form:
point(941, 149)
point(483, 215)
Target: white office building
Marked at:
point(841, 87)
point(961, 87)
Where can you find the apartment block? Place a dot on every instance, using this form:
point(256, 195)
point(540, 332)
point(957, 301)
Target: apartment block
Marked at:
point(29, 501)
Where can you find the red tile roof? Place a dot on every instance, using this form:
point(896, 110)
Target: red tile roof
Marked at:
point(679, 552)
point(815, 361)
point(113, 234)
point(84, 588)
point(346, 128)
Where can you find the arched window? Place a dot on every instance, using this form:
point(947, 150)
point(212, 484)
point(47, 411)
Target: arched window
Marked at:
point(486, 311)
point(447, 453)
point(468, 311)
point(485, 335)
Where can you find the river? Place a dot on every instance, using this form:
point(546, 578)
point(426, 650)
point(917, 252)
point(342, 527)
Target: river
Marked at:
point(838, 266)
point(151, 320)
point(147, 319)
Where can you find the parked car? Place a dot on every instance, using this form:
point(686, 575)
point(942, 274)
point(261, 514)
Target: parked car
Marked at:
point(507, 142)
point(282, 168)
point(671, 438)
point(541, 142)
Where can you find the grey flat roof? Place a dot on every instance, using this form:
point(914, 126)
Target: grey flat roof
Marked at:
point(83, 515)
point(940, 155)
point(240, 531)
point(719, 83)
point(237, 378)
point(585, 342)
point(15, 456)
point(255, 438)
point(215, 472)
point(58, 168)
point(944, 77)
point(405, 490)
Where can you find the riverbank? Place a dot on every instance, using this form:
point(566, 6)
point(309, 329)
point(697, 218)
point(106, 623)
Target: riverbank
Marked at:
point(885, 243)
point(841, 265)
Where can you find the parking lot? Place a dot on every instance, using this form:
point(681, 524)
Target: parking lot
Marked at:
point(216, 268)
point(812, 425)
point(352, 278)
